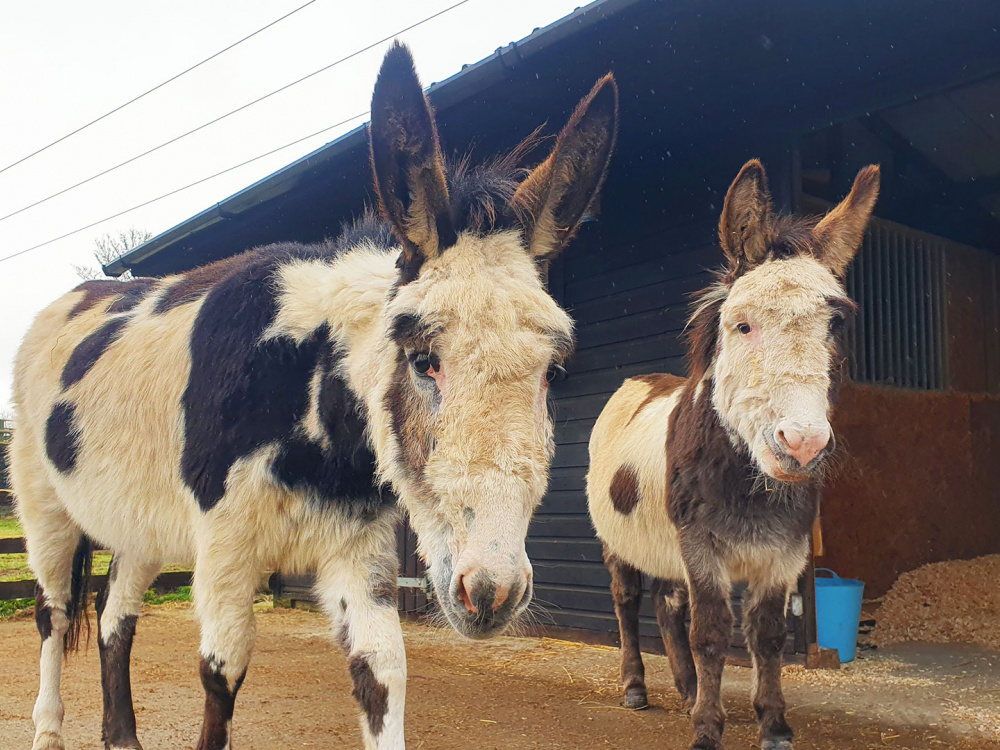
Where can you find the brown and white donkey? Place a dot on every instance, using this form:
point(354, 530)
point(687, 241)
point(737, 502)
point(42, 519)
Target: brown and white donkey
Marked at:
point(265, 411)
point(706, 480)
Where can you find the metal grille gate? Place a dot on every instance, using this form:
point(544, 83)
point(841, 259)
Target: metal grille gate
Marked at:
point(898, 281)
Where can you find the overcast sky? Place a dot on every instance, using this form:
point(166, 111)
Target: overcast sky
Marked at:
point(65, 63)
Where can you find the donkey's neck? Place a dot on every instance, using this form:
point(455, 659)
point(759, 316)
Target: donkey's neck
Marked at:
point(347, 293)
point(715, 482)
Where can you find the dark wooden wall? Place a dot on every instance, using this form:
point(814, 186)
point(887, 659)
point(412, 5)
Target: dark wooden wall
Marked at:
point(629, 298)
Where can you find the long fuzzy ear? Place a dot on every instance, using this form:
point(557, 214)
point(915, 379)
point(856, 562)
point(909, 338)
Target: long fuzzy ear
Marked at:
point(744, 220)
point(838, 234)
point(407, 163)
point(554, 197)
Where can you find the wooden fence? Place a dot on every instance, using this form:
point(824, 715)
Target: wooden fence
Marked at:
point(26, 589)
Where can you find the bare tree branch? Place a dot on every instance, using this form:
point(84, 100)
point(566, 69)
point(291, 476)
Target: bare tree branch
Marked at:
point(109, 248)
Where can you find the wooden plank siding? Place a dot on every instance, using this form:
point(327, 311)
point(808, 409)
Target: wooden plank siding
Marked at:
point(630, 300)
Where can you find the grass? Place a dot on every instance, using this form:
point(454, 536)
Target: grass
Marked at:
point(14, 567)
point(11, 607)
point(182, 594)
point(9, 526)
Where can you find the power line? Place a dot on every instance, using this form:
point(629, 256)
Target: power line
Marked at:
point(155, 88)
point(180, 189)
point(233, 112)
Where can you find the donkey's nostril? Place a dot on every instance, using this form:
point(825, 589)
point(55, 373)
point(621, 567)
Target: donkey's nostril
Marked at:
point(790, 441)
point(501, 596)
point(465, 594)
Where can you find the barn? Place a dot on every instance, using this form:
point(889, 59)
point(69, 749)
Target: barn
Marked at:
point(816, 90)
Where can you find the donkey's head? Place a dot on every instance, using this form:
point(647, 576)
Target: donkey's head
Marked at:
point(477, 336)
point(768, 335)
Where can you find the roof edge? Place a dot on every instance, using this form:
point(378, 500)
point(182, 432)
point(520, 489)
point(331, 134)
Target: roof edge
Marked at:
point(471, 79)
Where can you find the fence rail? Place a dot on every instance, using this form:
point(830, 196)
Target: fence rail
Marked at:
point(25, 589)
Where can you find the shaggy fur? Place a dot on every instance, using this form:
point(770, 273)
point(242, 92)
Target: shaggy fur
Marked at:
point(722, 494)
point(265, 412)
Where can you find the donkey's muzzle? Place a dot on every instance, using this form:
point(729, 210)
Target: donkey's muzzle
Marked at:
point(805, 444)
point(485, 607)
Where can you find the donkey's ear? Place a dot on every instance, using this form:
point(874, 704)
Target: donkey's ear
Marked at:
point(839, 233)
point(554, 197)
point(745, 214)
point(407, 162)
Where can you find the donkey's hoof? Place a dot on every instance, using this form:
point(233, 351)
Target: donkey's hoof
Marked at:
point(48, 741)
point(776, 743)
point(635, 699)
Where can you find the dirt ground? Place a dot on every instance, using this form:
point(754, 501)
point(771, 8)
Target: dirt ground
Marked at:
point(507, 694)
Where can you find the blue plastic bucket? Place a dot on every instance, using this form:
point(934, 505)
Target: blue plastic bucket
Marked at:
point(838, 613)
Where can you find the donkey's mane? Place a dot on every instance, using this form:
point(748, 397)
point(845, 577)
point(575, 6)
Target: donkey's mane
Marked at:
point(480, 197)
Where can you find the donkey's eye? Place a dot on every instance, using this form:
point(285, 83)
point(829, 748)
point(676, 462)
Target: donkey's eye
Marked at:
point(555, 372)
point(744, 328)
point(423, 363)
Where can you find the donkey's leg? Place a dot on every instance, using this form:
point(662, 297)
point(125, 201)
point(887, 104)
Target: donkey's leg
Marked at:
point(359, 594)
point(52, 539)
point(225, 581)
point(117, 611)
point(626, 591)
point(670, 599)
point(765, 627)
point(711, 627)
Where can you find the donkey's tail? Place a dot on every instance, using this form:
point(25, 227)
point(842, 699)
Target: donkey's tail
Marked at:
point(79, 598)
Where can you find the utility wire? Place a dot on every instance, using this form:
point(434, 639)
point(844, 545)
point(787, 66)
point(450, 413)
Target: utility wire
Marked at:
point(180, 189)
point(155, 88)
point(233, 112)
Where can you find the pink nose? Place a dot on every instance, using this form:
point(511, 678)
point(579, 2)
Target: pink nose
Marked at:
point(473, 599)
point(802, 442)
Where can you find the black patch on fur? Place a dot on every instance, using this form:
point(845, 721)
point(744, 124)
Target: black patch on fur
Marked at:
point(135, 292)
point(343, 474)
point(408, 327)
point(371, 695)
point(118, 727)
point(61, 438)
point(242, 393)
point(128, 293)
point(219, 704)
point(88, 351)
point(43, 614)
point(625, 490)
point(194, 284)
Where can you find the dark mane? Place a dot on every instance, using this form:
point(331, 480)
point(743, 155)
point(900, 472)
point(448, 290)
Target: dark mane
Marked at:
point(792, 236)
point(783, 236)
point(479, 193)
